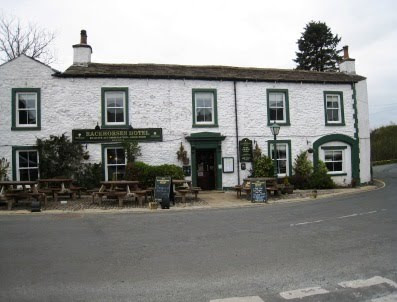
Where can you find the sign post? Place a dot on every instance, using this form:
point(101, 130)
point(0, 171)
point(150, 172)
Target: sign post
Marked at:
point(162, 191)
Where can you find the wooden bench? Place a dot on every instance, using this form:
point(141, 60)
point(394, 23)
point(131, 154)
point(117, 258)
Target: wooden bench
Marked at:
point(183, 193)
point(195, 191)
point(141, 195)
point(109, 195)
point(12, 198)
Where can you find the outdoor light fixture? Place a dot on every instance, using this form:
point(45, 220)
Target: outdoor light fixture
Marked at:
point(97, 127)
point(275, 130)
point(130, 127)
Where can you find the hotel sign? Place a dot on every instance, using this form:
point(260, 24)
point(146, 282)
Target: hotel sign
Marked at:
point(87, 136)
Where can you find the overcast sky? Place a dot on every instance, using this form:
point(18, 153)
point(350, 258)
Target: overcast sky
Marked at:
point(236, 33)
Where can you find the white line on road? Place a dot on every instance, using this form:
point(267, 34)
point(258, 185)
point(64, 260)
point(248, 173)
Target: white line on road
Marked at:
point(347, 216)
point(303, 292)
point(368, 282)
point(306, 222)
point(389, 298)
point(240, 299)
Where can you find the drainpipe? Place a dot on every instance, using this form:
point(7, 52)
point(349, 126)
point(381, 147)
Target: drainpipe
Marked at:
point(237, 138)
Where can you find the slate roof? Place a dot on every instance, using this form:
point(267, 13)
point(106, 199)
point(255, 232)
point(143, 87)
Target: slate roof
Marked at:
point(225, 73)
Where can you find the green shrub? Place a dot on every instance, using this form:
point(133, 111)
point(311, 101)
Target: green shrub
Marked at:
point(320, 179)
point(384, 143)
point(263, 167)
point(59, 157)
point(89, 176)
point(146, 174)
point(303, 169)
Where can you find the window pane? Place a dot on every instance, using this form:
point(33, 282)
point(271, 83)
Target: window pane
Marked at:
point(208, 115)
point(22, 103)
point(280, 114)
point(33, 174)
point(33, 159)
point(338, 155)
point(328, 155)
point(24, 174)
point(208, 103)
point(111, 115)
point(272, 104)
point(120, 156)
point(200, 115)
point(23, 117)
point(31, 114)
point(119, 103)
point(337, 166)
point(282, 152)
point(119, 115)
point(329, 166)
point(111, 102)
point(111, 156)
point(282, 166)
point(199, 103)
point(23, 159)
point(335, 115)
point(112, 170)
point(273, 113)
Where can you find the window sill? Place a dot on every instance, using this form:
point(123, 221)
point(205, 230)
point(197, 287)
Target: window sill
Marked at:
point(335, 124)
point(280, 124)
point(337, 174)
point(26, 128)
point(115, 126)
point(204, 126)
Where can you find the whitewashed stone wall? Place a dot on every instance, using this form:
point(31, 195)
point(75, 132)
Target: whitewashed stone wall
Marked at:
point(72, 103)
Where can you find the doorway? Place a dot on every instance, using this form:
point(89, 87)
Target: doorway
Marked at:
point(206, 168)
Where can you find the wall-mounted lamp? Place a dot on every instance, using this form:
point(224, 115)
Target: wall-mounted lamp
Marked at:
point(97, 127)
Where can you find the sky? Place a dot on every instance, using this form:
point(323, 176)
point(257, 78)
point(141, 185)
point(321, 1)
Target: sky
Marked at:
point(223, 32)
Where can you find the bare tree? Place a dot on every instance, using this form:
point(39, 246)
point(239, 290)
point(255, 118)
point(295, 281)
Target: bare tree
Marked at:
point(15, 39)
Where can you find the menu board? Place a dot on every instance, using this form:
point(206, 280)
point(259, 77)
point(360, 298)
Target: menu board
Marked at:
point(246, 150)
point(258, 191)
point(162, 190)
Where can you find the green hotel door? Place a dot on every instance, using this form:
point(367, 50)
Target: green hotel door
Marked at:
point(206, 154)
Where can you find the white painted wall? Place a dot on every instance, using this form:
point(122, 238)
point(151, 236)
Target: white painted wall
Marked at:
point(81, 55)
point(71, 103)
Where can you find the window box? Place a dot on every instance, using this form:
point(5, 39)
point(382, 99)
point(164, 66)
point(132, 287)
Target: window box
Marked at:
point(278, 107)
point(26, 109)
point(204, 108)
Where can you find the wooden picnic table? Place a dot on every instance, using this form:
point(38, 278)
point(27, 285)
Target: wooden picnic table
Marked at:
point(59, 186)
point(120, 189)
point(185, 187)
point(12, 191)
point(271, 185)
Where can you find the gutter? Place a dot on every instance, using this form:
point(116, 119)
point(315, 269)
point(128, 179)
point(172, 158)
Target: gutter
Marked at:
point(237, 137)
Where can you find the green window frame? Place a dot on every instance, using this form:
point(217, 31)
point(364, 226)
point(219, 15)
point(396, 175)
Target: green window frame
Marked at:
point(201, 124)
point(105, 164)
point(16, 111)
point(332, 161)
point(107, 124)
point(286, 119)
point(330, 110)
point(288, 157)
point(29, 167)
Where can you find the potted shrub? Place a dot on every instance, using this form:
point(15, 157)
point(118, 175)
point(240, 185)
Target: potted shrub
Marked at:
point(288, 188)
point(182, 155)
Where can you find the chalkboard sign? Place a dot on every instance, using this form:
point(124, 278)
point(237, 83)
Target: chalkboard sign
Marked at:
point(258, 191)
point(246, 150)
point(162, 190)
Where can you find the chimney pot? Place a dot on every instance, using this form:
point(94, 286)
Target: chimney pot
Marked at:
point(345, 52)
point(83, 37)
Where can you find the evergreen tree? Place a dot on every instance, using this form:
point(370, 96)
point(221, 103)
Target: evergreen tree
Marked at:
point(317, 48)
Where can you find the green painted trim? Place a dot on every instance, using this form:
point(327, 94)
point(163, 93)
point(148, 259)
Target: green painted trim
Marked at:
point(103, 147)
point(356, 136)
point(287, 120)
point(337, 174)
point(340, 138)
point(342, 111)
point(194, 124)
point(14, 158)
point(14, 126)
point(334, 147)
point(103, 107)
point(207, 140)
point(288, 142)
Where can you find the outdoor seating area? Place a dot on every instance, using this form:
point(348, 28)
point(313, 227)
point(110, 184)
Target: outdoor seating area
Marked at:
point(51, 191)
point(272, 187)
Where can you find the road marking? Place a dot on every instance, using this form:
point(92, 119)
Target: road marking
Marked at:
point(240, 299)
point(306, 222)
point(303, 292)
point(368, 282)
point(347, 216)
point(389, 298)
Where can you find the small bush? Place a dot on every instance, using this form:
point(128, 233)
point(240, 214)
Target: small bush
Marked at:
point(303, 169)
point(146, 174)
point(89, 176)
point(320, 179)
point(263, 167)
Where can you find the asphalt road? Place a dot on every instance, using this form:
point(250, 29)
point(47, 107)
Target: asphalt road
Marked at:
point(203, 255)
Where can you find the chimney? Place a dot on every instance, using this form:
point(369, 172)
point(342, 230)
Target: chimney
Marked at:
point(347, 65)
point(82, 52)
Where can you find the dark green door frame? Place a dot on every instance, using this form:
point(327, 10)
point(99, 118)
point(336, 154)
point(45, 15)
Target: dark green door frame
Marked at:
point(207, 140)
